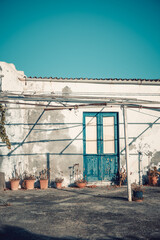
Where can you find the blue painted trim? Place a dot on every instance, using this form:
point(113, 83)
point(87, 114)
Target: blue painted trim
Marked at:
point(101, 156)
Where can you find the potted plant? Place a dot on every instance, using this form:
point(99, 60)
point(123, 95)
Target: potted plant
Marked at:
point(122, 176)
point(29, 180)
point(58, 182)
point(153, 176)
point(79, 180)
point(43, 178)
point(14, 181)
point(137, 192)
point(81, 183)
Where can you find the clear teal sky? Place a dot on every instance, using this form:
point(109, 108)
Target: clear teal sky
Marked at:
point(82, 38)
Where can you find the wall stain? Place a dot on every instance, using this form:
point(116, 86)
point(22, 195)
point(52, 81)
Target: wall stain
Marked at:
point(156, 158)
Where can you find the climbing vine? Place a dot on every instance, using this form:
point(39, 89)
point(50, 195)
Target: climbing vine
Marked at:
point(3, 134)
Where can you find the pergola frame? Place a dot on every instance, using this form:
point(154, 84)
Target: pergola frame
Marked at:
point(76, 101)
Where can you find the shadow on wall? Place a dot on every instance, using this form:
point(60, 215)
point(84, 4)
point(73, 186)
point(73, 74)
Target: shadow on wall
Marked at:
point(156, 158)
point(39, 141)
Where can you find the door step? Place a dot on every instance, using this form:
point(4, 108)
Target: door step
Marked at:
point(100, 183)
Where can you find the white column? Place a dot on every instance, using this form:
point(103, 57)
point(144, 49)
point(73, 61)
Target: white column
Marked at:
point(140, 167)
point(127, 153)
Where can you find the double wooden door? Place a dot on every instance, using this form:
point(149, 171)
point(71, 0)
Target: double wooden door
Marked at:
point(100, 146)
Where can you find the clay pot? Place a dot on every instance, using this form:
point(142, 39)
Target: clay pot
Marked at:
point(14, 184)
point(59, 185)
point(154, 181)
point(29, 184)
point(81, 184)
point(43, 183)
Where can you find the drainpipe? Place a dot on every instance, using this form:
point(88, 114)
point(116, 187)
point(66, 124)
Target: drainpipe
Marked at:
point(127, 154)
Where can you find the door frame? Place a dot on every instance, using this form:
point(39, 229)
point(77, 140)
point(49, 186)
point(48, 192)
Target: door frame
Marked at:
point(100, 141)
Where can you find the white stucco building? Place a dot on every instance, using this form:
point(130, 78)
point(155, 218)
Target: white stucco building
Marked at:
point(76, 126)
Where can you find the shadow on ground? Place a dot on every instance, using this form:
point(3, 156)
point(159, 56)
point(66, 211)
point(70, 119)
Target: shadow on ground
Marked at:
point(97, 196)
point(16, 233)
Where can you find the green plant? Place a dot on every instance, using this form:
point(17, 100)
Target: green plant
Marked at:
point(137, 188)
point(137, 192)
point(44, 174)
point(153, 172)
point(28, 176)
point(78, 175)
point(15, 176)
point(122, 176)
point(3, 134)
point(59, 180)
point(81, 180)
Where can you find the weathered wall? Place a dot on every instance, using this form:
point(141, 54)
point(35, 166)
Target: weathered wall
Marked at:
point(10, 82)
point(57, 140)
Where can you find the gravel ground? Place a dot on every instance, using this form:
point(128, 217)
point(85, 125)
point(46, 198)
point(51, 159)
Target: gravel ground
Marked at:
point(72, 213)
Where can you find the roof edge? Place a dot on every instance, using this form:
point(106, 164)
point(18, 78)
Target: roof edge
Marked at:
point(133, 81)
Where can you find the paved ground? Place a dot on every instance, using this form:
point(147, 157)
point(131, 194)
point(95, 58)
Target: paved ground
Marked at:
point(70, 213)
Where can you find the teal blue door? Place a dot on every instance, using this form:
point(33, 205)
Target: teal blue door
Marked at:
point(100, 146)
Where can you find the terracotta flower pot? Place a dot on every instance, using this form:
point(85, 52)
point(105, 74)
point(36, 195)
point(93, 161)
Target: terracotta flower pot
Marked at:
point(59, 185)
point(81, 184)
point(154, 180)
point(14, 184)
point(43, 183)
point(29, 184)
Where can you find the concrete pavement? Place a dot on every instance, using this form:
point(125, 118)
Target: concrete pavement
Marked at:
point(72, 213)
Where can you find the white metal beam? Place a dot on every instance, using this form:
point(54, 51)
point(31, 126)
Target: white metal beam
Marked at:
point(127, 154)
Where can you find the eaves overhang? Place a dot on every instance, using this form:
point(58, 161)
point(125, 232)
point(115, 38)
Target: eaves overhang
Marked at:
point(134, 81)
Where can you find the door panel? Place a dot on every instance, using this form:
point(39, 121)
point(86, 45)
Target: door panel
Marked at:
point(108, 135)
point(91, 168)
point(101, 152)
point(91, 135)
point(110, 167)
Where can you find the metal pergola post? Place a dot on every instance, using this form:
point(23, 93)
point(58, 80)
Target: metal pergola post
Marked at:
point(127, 153)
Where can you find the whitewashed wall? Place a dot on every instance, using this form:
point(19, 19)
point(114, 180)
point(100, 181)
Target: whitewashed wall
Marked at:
point(47, 143)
